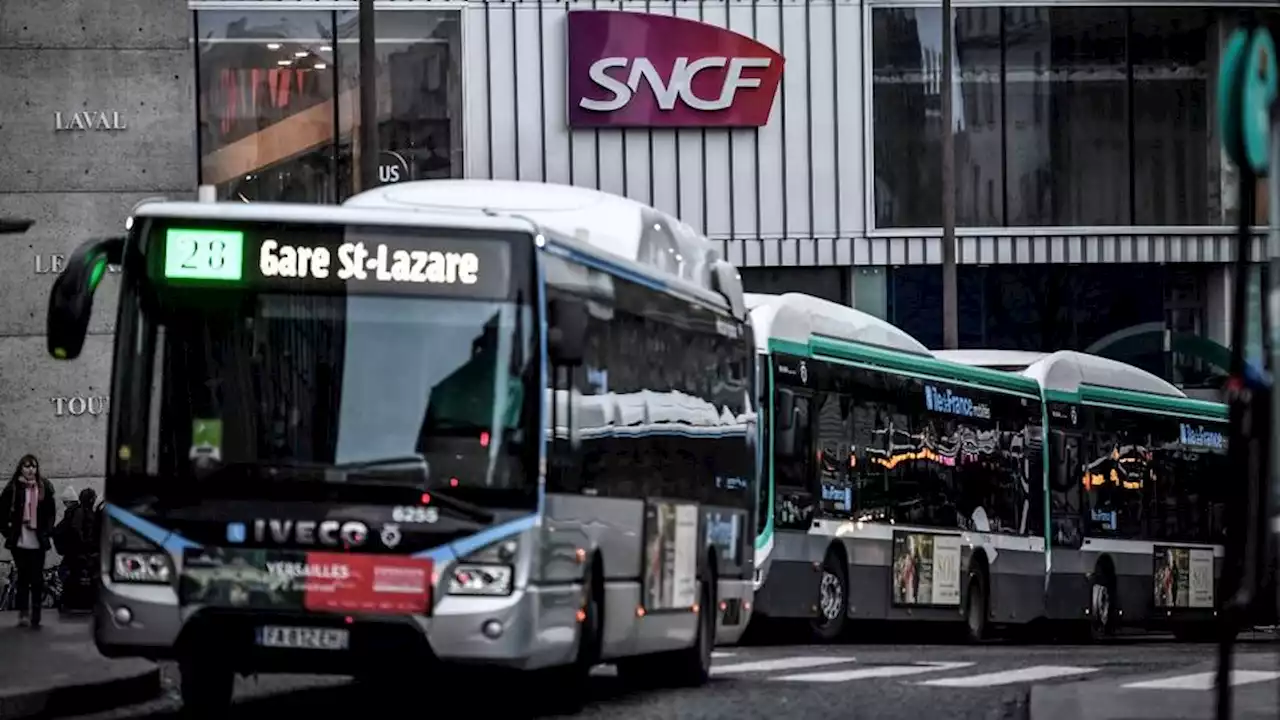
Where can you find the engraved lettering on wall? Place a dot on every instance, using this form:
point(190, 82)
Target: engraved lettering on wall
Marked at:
point(52, 264)
point(80, 405)
point(89, 121)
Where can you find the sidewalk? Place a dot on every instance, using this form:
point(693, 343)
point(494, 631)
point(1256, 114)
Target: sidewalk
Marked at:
point(56, 671)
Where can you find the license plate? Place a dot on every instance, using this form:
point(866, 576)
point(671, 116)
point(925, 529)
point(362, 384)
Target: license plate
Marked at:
point(303, 638)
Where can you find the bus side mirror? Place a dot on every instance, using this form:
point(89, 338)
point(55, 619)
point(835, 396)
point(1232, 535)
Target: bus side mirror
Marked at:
point(71, 299)
point(786, 417)
point(567, 331)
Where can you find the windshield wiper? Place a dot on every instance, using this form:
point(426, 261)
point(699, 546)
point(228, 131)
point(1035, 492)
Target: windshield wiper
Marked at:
point(418, 462)
point(353, 473)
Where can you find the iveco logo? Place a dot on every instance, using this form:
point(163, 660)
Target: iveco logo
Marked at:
point(309, 532)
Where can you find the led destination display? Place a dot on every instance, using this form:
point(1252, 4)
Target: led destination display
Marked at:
point(376, 260)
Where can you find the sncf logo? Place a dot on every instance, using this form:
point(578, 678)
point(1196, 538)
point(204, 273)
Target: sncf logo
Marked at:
point(630, 69)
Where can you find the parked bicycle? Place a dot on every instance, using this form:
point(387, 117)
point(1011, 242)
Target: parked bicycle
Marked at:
point(9, 591)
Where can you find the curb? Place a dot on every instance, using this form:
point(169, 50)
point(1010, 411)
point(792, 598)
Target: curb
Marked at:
point(80, 699)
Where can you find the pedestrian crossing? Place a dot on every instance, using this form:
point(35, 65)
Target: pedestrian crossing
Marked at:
point(829, 669)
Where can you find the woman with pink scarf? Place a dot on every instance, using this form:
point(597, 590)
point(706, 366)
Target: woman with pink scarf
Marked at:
point(27, 515)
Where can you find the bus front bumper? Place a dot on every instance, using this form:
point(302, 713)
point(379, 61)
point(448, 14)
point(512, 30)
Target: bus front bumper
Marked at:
point(531, 628)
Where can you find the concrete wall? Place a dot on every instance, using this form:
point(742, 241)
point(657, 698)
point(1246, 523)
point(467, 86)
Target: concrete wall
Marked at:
point(130, 60)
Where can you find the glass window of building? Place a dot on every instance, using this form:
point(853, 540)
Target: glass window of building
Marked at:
point(267, 105)
point(1067, 113)
point(279, 101)
point(419, 95)
point(1173, 52)
point(907, 117)
point(1063, 116)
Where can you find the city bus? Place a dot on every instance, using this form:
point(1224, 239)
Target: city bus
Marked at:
point(1135, 495)
point(902, 485)
point(456, 424)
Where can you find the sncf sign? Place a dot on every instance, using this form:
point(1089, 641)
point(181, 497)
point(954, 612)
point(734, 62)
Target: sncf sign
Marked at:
point(629, 69)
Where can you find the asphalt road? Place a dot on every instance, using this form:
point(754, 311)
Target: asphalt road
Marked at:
point(877, 681)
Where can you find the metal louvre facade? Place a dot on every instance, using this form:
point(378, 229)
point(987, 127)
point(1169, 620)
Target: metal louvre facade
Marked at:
point(1075, 246)
point(797, 180)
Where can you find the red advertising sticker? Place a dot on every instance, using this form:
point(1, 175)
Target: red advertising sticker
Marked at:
point(386, 584)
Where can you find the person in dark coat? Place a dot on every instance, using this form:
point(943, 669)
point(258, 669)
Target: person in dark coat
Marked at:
point(28, 511)
point(76, 538)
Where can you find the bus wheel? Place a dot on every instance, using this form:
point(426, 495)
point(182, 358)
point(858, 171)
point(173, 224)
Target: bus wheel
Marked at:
point(207, 689)
point(975, 614)
point(1102, 624)
point(690, 667)
point(833, 599)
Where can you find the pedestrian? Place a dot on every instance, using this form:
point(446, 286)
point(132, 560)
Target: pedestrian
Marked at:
point(76, 539)
point(27, 514)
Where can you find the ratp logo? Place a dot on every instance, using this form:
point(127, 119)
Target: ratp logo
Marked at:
point(236, 533)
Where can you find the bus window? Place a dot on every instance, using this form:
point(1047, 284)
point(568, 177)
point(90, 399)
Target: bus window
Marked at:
point(1065, 489)
point(794, 468)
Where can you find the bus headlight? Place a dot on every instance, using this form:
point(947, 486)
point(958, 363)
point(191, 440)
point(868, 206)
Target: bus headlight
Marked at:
point(481, 579)
point(141, 567)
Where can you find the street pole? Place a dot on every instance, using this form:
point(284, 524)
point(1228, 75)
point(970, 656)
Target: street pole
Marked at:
point(950, 318)
point(368, 177)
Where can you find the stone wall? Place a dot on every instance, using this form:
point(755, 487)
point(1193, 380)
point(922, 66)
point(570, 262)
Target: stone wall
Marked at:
point(98, 114)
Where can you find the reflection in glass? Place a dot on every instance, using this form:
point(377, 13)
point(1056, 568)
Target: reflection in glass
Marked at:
point(1175, 168)
point(320, 380)
point(1066, 87)
point(1118, 311)
point(266, 105)
point(907, 116)
point(419, 96)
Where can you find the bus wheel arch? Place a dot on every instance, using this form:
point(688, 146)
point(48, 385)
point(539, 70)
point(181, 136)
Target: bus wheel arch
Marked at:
point(977, 599)
point(591, 634)
point(833, 594)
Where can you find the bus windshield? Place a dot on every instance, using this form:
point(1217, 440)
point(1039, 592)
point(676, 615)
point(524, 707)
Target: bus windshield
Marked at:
point(252, 377)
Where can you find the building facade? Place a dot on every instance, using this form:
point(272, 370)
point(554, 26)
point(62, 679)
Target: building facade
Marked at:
point(1093, 204)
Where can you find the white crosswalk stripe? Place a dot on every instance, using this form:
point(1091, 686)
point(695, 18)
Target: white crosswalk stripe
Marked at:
point(1202, 680)
point(722, 654)
point(879, 671)
point(779, 664)
point(1010, 677)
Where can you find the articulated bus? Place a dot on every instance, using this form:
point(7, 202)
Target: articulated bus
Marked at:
point(449, 423)
point(1135, 489)
point(904, 486)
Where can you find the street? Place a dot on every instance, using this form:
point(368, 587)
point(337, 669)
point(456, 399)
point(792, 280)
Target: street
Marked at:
point(883, 681)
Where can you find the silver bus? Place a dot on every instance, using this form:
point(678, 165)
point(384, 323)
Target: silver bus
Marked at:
point(473, 423)
point(903, 485)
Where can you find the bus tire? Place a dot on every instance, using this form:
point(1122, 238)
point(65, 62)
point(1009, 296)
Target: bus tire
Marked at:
point(207, 689)
point(833, 599)
point(1102, 606)
point(976, 607)
point(691, 667)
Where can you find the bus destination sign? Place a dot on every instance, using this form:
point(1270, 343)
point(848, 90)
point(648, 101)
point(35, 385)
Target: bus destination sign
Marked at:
point(329, 258)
